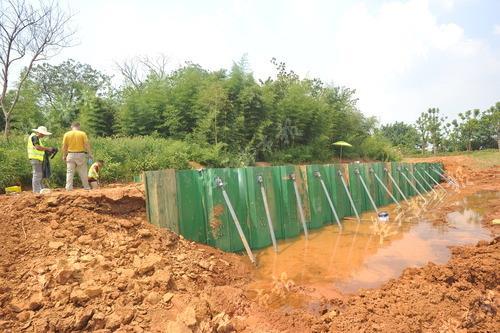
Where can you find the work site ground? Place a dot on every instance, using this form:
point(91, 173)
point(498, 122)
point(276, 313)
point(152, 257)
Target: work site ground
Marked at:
point(88, 261)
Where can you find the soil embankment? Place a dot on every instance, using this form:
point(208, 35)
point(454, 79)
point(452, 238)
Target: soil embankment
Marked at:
point(88, 261)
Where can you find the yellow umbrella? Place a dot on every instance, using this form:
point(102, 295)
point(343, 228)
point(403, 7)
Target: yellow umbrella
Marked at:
point(341, 144)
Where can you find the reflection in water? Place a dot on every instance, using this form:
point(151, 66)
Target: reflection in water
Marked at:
point(366, 254)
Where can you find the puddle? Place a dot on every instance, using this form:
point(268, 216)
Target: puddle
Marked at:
point(365, 255)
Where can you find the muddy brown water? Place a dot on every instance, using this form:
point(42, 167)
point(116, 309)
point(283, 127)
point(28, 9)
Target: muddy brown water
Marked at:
point(367, 254)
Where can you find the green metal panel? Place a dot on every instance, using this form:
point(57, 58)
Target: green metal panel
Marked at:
point(407, 170)
point(340, 198)
point(419, 183)
point(440, 168)
point(260, 236)
point(386, 171)
point(321, 213)
point(399, 180)
point(382, 198)
point(421, 168)
point(372, 185)
point(290, 221)
point(191, 204)
point(222, 232)
point(356, 188)
point(405, 186)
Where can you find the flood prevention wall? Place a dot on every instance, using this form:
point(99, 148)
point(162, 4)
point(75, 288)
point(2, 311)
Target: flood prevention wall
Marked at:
point(190, 203)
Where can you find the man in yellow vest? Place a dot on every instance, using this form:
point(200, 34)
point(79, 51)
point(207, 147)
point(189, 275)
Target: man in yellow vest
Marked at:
point(76, 150)
point(36, 153)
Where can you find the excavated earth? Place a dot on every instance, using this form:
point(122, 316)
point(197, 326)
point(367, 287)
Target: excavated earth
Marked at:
point(90, 262)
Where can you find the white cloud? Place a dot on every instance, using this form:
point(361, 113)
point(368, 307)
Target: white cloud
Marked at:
point(446, 4)
point(496, 29)
point(387, 53)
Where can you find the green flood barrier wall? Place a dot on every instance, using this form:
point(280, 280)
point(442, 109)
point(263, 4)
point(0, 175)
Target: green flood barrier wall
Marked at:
point(190, 202)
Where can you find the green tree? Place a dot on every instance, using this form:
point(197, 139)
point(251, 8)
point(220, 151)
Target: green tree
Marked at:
point(421, 125)
point(469, 127)
point(143, 110)
point(97, 115)
point(489, 126)
point(62, 88)
point(434, 128)
point(402, 135)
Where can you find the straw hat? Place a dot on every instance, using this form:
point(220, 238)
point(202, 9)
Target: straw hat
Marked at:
point(42, 130)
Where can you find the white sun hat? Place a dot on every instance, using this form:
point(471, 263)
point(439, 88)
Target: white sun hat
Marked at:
point(42, 130)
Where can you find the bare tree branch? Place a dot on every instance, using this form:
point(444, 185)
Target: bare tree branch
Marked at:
point(136, 70)
point(28, 34)
point(129, 70)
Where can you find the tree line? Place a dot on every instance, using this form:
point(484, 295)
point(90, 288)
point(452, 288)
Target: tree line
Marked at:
point(298, 118)
point(471, 130)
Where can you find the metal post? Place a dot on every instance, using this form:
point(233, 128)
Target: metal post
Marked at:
point(366, 190)
point(435, 181)
point(413, 186)
point(395, 184)
point(448, 179)
point(416, 180)
point(220, 183)
point(299, 206)
point(260, 180)
point(385, 187)
point(318, 174)
point(426, 182)
point(349, 196)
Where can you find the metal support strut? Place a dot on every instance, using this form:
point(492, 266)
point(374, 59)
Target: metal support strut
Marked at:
point(318, 175)
point(395, 184)
point(299, 205)
point(260, 180)
point(349, 195)
point(411, 184)
point(384, 187)
point(219, 183)
point(366, 190)
point(426, 182)
point(435, 181)
point(447, 178)
point(416, 180)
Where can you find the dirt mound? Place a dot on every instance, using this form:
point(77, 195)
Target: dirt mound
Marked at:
point(88, 261)
point(461, 296)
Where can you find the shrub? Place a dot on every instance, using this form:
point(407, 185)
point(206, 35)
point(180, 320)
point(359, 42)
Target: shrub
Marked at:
point(124, 158)
point(379, 148)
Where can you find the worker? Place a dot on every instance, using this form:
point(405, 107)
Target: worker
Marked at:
point(94, 171)
point(76, 150)
point(36, 154)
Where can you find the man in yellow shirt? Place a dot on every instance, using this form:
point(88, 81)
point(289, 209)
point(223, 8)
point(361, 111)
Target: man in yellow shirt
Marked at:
point(76, 149)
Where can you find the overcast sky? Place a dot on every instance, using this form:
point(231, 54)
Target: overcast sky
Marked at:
point(401, 56)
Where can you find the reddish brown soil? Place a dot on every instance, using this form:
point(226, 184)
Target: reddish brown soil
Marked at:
point(89, 261)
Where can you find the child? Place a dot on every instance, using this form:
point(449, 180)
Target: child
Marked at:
point(94, 170)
